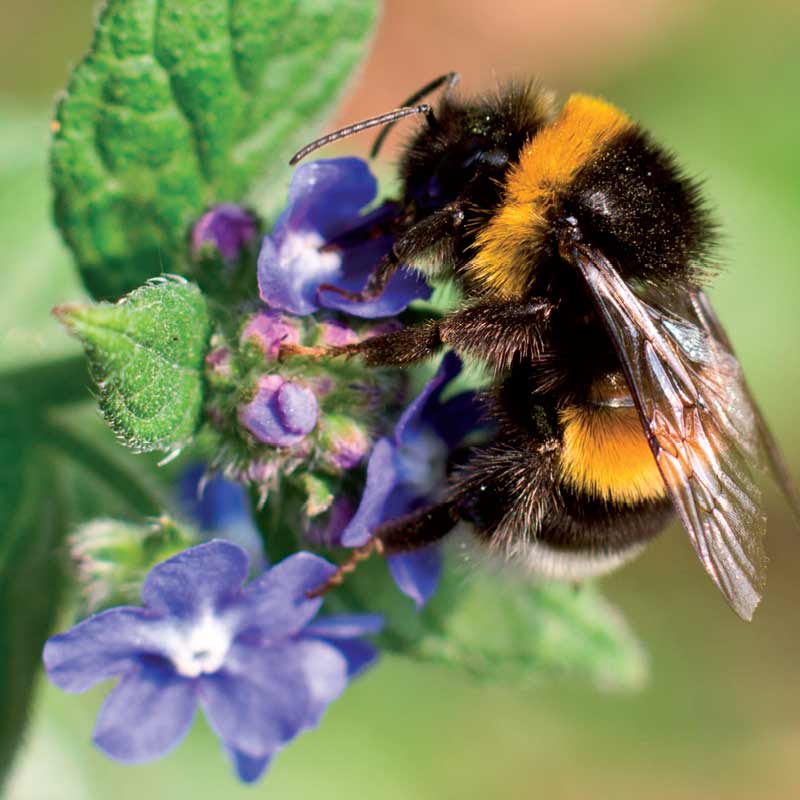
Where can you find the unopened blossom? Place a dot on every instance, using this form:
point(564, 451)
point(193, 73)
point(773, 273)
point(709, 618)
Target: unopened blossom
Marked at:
point(281, 413)
point(226, 228)
point(268, 330)
point(253, 657)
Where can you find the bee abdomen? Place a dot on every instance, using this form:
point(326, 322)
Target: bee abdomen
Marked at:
point(605, 455)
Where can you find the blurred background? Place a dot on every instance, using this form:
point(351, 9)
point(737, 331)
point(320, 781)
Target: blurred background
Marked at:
point(718, 83)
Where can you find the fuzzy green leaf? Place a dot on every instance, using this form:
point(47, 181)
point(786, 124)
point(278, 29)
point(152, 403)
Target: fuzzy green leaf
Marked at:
point(181, 104)
point(509, 631)
point(146, 354)
point(500, 628)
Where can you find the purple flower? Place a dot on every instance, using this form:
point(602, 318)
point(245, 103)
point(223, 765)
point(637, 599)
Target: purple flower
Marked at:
point(253, 657)
point(321, 238)
point(227, 228)
point(282, 413)
point(407, 471)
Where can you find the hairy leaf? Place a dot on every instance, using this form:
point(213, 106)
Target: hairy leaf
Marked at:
point(180, 105)
point(146, 354)
point(500, 628)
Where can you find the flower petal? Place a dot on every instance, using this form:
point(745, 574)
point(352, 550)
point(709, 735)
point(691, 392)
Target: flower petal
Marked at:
point(146, 715)
point(327, 196)
point(196, 580)
point(275, 605)
point(411, 420)
point(417, 573)
point(359, 655)
point(290, 271)
point(100, 647)
point(211, 501)
point(259, 700)
point(458, 417)
point(249, 768)
point(345, 626)
point(381, 482)
point(325, 670)
point(405, 286)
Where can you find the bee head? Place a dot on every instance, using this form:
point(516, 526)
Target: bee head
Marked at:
point(465, 147)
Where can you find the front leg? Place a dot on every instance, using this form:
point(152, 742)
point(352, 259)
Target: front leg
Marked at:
point(496, 333)
point(423, 236)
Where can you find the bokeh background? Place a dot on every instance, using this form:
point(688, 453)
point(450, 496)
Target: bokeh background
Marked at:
point(718, 83)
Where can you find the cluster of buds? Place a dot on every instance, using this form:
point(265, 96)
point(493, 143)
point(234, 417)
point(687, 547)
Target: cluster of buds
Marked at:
point(309, 421)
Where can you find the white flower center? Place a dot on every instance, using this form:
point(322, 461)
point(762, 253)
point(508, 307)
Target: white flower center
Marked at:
point(301, 252)
point(201, 648)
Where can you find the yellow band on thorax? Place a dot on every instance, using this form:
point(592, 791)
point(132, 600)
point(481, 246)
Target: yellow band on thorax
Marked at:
point(547, 164)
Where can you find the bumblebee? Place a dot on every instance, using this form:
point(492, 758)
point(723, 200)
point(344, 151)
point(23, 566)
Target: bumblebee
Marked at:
point(581, 251)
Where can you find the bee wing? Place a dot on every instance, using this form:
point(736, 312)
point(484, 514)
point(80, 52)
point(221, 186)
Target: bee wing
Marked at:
point(707, 317)
point(700, 422)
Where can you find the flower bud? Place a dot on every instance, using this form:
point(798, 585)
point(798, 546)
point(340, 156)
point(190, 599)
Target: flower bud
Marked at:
point(226, 228)
point(345, 443)
point(282, 412)
point(268, 330)
point(113, 557)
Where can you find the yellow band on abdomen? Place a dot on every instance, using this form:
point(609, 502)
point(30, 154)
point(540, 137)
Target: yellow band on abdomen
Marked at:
point(605, 454)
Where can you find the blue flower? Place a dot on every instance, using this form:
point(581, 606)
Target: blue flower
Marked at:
point(409, 470)
point(321, 238)
point(253, 657)
point(226, 228)
point(221, 509)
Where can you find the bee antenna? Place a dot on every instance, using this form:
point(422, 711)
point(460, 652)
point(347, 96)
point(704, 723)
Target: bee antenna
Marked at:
point(357, 127)
point(451, 79)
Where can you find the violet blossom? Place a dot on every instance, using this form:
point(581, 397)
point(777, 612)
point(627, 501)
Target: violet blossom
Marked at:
point(321, 238)
point(253, 657)
point(409, 469)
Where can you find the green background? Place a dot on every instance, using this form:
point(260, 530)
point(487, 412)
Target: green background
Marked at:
point(718, 82)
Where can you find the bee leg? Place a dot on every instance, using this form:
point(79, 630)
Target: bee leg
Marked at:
point(376, 282)
point(408, 532)
point(420, 237)
point(496, 333)
point(418, 529)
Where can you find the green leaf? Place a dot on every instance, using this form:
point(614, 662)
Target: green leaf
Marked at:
point(31, 573)
point(500, 628)
point(505, 630)
point(179, 105)
point(146, 354)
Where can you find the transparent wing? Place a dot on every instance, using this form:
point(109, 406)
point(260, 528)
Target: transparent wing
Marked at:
point(701, 424)
point(708, 319)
